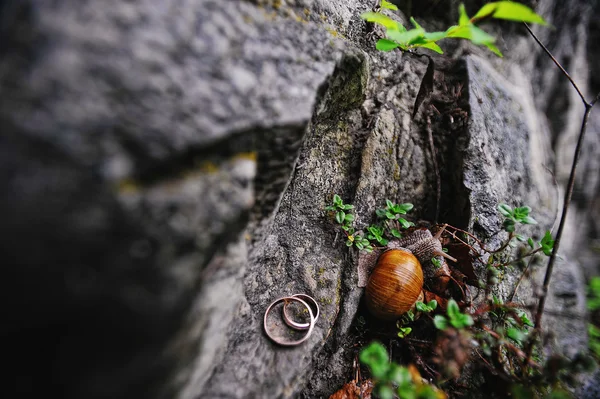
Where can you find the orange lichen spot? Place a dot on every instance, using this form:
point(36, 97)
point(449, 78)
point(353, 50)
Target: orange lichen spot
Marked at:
point(332, 32)
point(250, 155)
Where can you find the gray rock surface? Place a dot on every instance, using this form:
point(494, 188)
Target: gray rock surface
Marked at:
point(165, 166)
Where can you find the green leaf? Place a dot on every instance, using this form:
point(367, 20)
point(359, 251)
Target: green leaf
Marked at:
point(349, 218)
point(396, 233)
point(405, 223)
point(436, 262)
point(405, 38)
point(433, 37)
point(384, 391)
point(421, 307)
point(399, 375)
point(470, 32)
point(461, 320)
point(463, 18)
point(389, 203)
point(452, 308)
point(528, 220)
point(415, 24)
point(375, 357)
point(407, 207)
point(440, 322)
point(474, 34)
point(510, 11)
point(547, 243)
point(348, 207)
point(432, 46)
point(380, 213)
point(509, 225)
point(390, 215)
point(521, 212)
point(516, 334)
point(380, 19)
point(386, 45)
point(404, 331)
point(523, 317)
point(340, 216)
point(349, 243)
point(388, 5)
point(505, 210)
point(337, 200)
point(530, 243)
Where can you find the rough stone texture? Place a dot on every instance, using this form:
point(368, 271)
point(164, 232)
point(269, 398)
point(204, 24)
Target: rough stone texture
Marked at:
point(165, 165)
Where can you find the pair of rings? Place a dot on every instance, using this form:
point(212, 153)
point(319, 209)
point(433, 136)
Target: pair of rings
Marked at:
point(313, 312)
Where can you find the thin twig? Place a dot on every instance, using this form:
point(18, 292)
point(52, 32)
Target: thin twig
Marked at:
point(566, 203)
point(525, 273)
point(558, 65)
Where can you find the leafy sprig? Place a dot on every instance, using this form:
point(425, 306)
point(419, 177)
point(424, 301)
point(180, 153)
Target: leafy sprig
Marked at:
point(392, 379)
point(455, 318)
point(397, 36)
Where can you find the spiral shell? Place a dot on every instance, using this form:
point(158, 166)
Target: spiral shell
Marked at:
point(395, 284)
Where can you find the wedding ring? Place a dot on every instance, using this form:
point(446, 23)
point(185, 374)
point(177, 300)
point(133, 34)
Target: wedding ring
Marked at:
point(289, 343)
point(296, 325)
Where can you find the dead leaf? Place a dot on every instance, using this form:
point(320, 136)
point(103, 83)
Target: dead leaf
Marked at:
point(353, 391)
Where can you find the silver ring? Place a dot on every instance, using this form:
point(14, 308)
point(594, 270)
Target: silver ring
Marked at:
point(289, 343)
point(292, 323)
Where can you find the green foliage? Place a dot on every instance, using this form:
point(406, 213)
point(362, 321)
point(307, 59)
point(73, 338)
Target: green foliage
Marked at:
point(397, 36)
point(436, 262)
point(455, 318)
point(392, 379)
point(404, 331)
point(377, 233)
point(428, 307)
point(389, 225)
point(514, 216)
point(344, 217)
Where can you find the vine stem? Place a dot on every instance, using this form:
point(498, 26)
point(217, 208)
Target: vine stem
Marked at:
point(567, 199)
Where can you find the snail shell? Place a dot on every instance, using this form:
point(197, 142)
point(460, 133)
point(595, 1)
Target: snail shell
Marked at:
point(395, 284)
point(425, 246)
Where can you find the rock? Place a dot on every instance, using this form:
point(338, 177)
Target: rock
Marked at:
point(165, 169)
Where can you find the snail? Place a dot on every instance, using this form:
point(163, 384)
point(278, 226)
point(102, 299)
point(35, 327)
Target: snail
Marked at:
point(396, 283)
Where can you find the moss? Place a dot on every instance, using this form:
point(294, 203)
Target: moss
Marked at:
point(396, 174)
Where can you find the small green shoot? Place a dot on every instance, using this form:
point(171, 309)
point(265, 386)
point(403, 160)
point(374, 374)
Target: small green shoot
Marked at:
point(392, 379)
point(404, 331)
point(426, 307)
point(455, 318)
point(514, 216)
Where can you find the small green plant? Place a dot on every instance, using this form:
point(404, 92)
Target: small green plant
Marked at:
point(392, 379)
point(514, 216)
point(455, 318)
point(390, 222)
point(397, 36)
point(344, 217)
point(402, 324)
